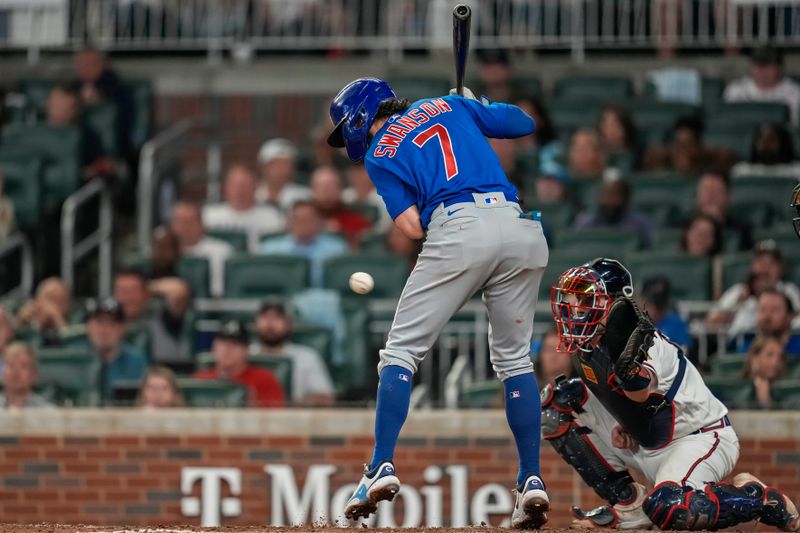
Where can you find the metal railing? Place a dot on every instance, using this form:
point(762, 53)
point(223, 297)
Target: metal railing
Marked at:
point(12, 244)
point(72, 250)
point(397, 25)
point(158, 158)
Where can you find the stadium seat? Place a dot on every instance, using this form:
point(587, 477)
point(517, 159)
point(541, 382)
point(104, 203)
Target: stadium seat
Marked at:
point(36, 92)
point(666, 238)
point(417, 88)
point(140, 94)
point(389, 273)
point(356, 374)
point(281, 367)
point(735, 268)
point(748, 114)
point(608, 242)
point(585, 191)
point(737, 139)
point(196, 271)
point(786, 393)
point(728, 389)
point(785, 239)
point(760, 198)
point(368, 211)
point(526, 87)
point(103, 121)
point(212, 393)
point(690, 276)
point(22, 175)
point(728, 365)
point(75, 372)
point(259, 276)
point(556, 216)
point(664, 200)
point(593, 88)
point(481, 395)
point(372, 243)
point(318, 338)
point(61, 150)
point(237, 239)
point(571, 116)
point(656, 119)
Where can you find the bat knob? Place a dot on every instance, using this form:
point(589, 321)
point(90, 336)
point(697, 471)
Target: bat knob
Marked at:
point(462, 10)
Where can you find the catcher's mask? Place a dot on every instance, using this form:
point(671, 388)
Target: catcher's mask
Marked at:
point(796, 204)
point(579, 301)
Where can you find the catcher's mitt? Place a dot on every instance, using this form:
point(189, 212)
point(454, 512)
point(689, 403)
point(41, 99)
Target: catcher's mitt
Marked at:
point(629, 336)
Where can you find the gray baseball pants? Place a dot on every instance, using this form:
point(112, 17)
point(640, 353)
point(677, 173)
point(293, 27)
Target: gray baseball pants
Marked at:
point(482, 245)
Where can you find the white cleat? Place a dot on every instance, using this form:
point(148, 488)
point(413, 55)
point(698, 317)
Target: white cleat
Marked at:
point(382, 485)
point(530, 510)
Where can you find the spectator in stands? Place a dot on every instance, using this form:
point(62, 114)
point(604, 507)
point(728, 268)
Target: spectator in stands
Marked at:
point(306, 239)
point(738, 306)
point(170, 326)
point(766, 362)
point(544, 142)
point(311, 381)
point(552, 185)
point(159, 390)
point(187, 225)
point(240, 211)
point(95, 81)
point(774, 319)
point(495, 75)
point(277, 165)
point(361, 191)
point(231, 363)
point(64, 110)
point(132, 295)
point(49, 311)
point(19, 377)
point(586, 158)
point(326, 193)
point(550, 363)
point(771, 154)
point(6, 334)
point(686, 154)
point(164, 255)
point(766, 83)
point(619, 137)
point(398, 244)
point(614, 210)
point(714, 199)
point(121, 363)
point(657, 301)
point(702, 236)
point(8, 219)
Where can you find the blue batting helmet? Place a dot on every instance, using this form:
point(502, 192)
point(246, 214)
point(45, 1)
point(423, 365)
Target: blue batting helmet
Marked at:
point(353, 110)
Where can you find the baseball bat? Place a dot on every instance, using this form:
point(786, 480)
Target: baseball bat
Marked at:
point(462, 16)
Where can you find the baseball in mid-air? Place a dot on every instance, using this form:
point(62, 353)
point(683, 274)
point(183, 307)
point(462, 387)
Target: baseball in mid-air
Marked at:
point(361, 282)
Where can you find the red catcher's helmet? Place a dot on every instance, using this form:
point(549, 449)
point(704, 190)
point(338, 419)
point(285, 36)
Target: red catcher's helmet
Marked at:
point(579, 301)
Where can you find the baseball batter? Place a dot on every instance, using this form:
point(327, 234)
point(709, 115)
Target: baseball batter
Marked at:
point(639, 403)
point(439, 178)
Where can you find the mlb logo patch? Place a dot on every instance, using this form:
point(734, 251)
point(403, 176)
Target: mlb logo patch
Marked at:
point(403, 377)
point(491, 200)
point(515, 394)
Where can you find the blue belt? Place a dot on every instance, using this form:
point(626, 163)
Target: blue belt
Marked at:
point(721, 423)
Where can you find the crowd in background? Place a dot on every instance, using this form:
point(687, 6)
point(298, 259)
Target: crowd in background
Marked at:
point(333, 209)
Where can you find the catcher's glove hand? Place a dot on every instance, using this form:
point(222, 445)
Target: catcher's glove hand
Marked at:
point(630, 325)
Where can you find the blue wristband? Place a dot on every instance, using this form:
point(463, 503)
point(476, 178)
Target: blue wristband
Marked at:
point(637, 382)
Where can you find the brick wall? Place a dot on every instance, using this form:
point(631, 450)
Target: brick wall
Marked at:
point(101, 468)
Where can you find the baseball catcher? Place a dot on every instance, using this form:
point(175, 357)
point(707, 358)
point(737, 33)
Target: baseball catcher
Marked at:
point(639, 403)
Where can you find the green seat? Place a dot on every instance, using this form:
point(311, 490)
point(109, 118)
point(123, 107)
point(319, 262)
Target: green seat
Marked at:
point(785, 239)
point(556, 216)
point(196, 271)
point(103, 121)
point(237, 239)
point(607, 242)
point(660, 116)
point(74, 371)
point(316, 337)
point(259, 276)
point(355, 375)
point(787, 393)
point(570, 116)
point(372, 243)
point(748, 114)
point(22, 174)
point(212, 393)
point(664, 200)
point(735, 138)
point(281, 367)
point(388, 271)
point(769, 191)
point(61, 150)
point(593, 88)
point(735, 268)
point(689, 276)
point(728, 365)
point(728, 389)
point(526, 87)
point(586, 191)
point(481, 395)
point(417, 88)
point(36, 92)
point(666, 238)
point(368, 211)
point(140, 95)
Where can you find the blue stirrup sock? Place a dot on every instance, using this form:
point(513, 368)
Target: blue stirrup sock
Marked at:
point(394, 395)
point(524, 415)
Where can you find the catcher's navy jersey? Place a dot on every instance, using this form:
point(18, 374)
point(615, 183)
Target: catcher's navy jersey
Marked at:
point(436, 151)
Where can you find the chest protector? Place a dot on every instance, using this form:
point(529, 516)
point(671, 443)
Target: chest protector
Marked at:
point(651, 422)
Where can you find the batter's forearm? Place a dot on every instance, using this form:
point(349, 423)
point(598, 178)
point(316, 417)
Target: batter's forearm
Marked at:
point(409, 223)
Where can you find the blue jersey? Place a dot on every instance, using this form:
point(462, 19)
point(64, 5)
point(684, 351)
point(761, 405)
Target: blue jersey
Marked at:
point(436, 151)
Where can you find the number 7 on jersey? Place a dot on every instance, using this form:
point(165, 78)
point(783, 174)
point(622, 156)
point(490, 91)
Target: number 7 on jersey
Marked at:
point(437, 130)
